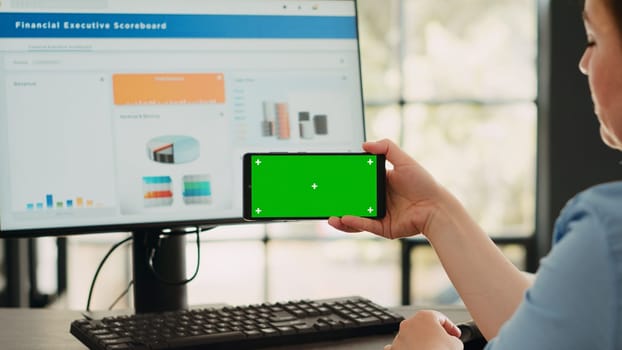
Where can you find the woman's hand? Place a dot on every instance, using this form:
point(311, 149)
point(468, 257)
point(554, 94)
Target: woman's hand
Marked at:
point(488, 283)
point(427, 330)
point(412, 196)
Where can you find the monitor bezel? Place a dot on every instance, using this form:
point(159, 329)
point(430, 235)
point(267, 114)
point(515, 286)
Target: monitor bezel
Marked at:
point(181, 225)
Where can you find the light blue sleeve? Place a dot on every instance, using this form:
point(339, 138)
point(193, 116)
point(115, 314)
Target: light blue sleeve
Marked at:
point(572, 303)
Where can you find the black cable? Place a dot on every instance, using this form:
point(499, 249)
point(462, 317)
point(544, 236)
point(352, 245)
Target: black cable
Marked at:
point(129, 285)
point(176, 283)
point(101, 264)
point(151, 267)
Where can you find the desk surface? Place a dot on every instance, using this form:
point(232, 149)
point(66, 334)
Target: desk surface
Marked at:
point(46, 329)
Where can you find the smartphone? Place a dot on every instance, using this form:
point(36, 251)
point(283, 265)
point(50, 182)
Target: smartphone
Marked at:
point(284, 186)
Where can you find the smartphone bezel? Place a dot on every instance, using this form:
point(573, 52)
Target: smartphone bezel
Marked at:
point(247, 190)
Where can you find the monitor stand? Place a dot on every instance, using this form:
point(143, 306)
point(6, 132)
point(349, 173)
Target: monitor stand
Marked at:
point(151, 294)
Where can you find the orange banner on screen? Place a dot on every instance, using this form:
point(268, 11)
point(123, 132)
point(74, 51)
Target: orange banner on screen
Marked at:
point(140, 89)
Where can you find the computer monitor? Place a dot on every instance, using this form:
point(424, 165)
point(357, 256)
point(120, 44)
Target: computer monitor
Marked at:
point(133, 115)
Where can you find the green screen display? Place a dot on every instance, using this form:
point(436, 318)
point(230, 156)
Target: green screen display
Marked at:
point(313, 185)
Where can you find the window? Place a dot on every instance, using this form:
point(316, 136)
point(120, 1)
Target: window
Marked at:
point(454, 84)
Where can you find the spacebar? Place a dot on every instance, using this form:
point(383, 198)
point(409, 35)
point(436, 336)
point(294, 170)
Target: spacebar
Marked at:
point(205, 339)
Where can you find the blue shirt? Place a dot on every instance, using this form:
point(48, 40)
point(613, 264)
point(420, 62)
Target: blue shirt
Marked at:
point(576, 299)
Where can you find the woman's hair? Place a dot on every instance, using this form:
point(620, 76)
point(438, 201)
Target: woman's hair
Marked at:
point(615, 7)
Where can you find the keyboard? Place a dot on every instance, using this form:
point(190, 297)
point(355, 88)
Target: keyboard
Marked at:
point(240, 327)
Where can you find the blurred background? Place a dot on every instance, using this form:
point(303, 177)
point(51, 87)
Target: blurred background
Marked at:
point(465, 87)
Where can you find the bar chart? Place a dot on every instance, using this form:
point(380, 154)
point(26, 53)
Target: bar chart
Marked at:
point(197, 189)
point(276, 122)
point(51, 202)
point(157, 191)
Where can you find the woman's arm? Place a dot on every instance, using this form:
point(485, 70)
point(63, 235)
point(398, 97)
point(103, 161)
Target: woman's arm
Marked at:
point(488, 283)
point(490, 286)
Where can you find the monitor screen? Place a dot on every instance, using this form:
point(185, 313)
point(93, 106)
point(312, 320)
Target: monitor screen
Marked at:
point(118, 114)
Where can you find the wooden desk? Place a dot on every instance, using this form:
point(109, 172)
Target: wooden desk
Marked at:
point(47, 329)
